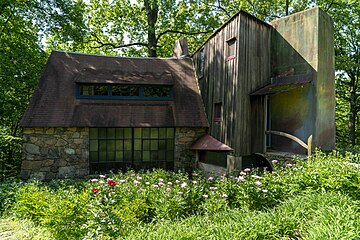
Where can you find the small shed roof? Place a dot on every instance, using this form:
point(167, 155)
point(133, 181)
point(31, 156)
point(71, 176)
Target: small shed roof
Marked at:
point(54, 102)
point(209, 143)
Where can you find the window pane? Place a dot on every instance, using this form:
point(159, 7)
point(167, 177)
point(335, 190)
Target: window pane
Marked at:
point(154, 145)
point(93, 133)
point(127, 144)
point(119, 145)
point(128, 156)
point(170, 133)
point(162, 144)
point(86, 90)
point(111, 156)
point(158, 91)
point(102, 145)
point(100, 90)
point(162, 155)
point(102, 133)
point(169, 144)
point(127, 133)
point(146, 132)
point(94, 156)
point(146, 155)
point(111, 145)
point(102, 156)
point(111, 133)
point(137, 156)
point(137, 144)
point(137, 132)
point(154, 133)
point(93, 145)
point(126, 91)
point(154, 155)
point(162, 132)
point(119, 156)
point(169, 155)
point(119, 133)
point(146, 145)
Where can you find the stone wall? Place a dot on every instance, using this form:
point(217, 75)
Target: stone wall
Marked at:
point(50, 153)
point(184, 139)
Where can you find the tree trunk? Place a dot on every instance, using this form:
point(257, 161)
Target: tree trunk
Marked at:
point(353, 111)
point(152, 9)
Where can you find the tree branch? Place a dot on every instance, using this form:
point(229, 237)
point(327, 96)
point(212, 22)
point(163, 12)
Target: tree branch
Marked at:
point(180, 32)
point(101, 44)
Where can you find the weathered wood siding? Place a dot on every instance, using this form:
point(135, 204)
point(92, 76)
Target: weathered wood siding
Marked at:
point(230, 82)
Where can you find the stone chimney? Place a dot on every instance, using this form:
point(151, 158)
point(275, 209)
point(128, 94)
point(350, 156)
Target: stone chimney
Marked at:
point(181, 48)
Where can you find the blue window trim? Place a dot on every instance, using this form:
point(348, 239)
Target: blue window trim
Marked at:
point(109, 95)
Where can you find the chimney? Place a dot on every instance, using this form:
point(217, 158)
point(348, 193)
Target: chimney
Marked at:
point(181, 48)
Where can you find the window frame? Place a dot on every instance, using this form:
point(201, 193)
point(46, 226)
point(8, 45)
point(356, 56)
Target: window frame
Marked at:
point(217, 112)
point(231, 49)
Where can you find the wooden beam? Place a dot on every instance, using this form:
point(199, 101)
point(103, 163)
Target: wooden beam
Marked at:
point(287, 135)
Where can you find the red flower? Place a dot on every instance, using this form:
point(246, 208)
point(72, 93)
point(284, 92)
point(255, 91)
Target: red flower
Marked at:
point(111, 183)
point(95, 190)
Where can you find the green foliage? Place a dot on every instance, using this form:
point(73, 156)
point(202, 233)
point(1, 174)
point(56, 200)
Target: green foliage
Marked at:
point(299, 200)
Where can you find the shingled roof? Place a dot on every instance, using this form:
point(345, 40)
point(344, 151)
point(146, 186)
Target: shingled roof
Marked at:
point(54, 102)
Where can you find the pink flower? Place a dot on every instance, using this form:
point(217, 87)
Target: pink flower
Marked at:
point(205, 196)
point(289, 165)
point(140, 190)
point(242, 173)
point(256, 177)
point(95, 190)
point(170, 183)
point(257, 183)
point(241, 179)
point(136, 182)
point(139, 178)
point(168, 189)
point(194, 174)
point(273, 172)
point(184, 185)
point(275, 161)
point(161, 184)
point(101, 182)
point(264, 190)
point(94, 180)
point(180, 193)
point(155, 186)
point(247, 170)
point(213, 188)
point(177, 181)
point(102, 176)
point(161, 180)
point(111, 183)
point(194, 182)
point(210, 178)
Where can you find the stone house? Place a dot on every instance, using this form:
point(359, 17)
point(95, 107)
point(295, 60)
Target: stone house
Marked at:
point(251, 88)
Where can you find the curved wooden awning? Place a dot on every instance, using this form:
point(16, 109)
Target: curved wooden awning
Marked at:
point(209, 143)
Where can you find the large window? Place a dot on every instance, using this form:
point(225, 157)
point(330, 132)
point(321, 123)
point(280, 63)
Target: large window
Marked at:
point(116, 91)
point(137, 148)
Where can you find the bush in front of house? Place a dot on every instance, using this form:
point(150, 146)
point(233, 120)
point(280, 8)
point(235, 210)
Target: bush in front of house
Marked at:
point(113, 206)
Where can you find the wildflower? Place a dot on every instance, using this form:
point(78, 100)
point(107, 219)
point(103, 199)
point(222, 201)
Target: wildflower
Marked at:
point(184, 185)
point(136, 182)
point(161, 184)
point(231, 176)
point(275, 161)
point(101, 182)
point(194, 182)
point(273, 172)
point(122, 181)
point(155, 186)
point(213, 188)
point(247, 170)
point(256, 177)
point(194, 174)
point(94, 180)
point(95, 190)
point(102, 176)
point(241, 179)
point(140, 190)
point(161, 180)
point(264, 190)
point(138, 178)
point(242, 173)
point(133, 175)
point(170, 183)
point(147, 183)
point(288, 165)
point(205, 196)
point(111, 183)
point(210, 178)
point(168, 189)
point(177, 181)
point(224, 195)
point(222, 176)
point(180, 193)
point(257, 183)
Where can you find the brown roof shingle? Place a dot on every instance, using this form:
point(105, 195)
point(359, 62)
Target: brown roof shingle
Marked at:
point(54, 102)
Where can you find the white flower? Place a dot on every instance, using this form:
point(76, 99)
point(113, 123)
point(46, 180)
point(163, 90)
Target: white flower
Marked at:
point(264, 190)
point(256, 177)
point(241, 179)
point(194, 182)
point(224, 195)
point(210, 178)
point(170, 183)
point(102, 176)
point(205, 196)
point(275, 161)
point(180, 193)
point(184, 185)
point(139, 178)
point(247, 170)
point(257, 183)
point(213, 188)
point(136, 182)
point(94, 180)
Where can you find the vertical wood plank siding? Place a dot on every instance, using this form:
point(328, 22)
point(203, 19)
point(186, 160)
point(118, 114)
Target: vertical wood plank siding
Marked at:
point(231, 81)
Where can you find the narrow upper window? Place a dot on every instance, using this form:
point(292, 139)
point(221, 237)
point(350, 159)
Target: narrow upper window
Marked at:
point(231, 49)
point(217, 112)
point(116, 91)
